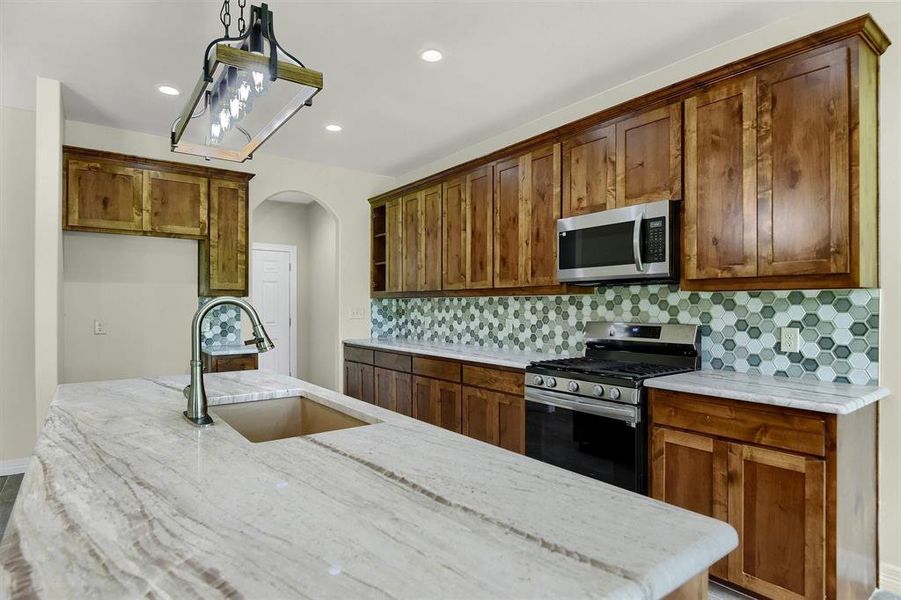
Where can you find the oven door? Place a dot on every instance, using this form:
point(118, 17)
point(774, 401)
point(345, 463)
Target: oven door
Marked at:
point(631, 243)
point(602, 440)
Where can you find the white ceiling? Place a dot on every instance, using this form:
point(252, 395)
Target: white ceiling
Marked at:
point(505, 64)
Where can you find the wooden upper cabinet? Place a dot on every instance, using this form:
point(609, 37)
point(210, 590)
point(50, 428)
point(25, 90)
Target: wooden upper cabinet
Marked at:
point(394, 233)
point(467, 230)
point(175, 203)
point(777, 503)
point(422, 240)
point(455, 234)
point(224, 258)
point(649, 156)
point(720, 223)
point(804, 180)
point(689, 470)
point(104, 195)
point(526, 209)
point(589, 171)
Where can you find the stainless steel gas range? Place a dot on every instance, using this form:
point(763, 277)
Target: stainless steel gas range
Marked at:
point(589, 414)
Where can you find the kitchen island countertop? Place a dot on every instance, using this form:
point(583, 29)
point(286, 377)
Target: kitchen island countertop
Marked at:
point(125, 499)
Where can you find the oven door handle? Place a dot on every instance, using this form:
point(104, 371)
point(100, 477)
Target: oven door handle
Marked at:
point(620, 412)
point(636, 242)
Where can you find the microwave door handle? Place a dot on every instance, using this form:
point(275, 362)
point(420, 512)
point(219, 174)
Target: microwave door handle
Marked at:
point(636, 242)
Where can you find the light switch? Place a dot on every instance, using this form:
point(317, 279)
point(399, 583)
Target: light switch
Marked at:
point(357, 313)
point(99, 327)
point(791, 339)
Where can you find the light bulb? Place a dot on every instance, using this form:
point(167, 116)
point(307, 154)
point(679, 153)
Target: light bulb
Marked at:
point(215, 133)
point(257, 46)
point(260, 83)
point(225, 118)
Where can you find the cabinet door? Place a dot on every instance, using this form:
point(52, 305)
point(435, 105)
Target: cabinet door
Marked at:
point(649, 156)
point(510, 253)
point(104, 196)
point(479, 232)
point(455, 234)
point(175, 203)
point(437, 402)
point(494, 417)
point(511, 421)
point(411, 254)
point(803, 150)
point(394, 245)
point(689, 471)
point(359, 381)
point(777, 503)
point(526, 209)
point(720, 228)
point(430, 239)
point(589, 175)
point(393, 390)
point(227, 252)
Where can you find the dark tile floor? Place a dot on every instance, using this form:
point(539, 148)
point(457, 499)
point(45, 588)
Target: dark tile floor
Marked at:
point(9, 487)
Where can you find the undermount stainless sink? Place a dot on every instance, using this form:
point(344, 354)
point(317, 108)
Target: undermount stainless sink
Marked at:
point(280, 418)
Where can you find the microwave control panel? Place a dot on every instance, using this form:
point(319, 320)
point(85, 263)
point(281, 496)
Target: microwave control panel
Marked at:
point(655, 240)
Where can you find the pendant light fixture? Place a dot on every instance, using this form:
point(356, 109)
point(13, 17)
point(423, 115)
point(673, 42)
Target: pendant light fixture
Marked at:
point(249, 87)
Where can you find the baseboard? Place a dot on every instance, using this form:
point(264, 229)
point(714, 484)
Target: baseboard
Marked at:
point(890, 578)
point(14, 466)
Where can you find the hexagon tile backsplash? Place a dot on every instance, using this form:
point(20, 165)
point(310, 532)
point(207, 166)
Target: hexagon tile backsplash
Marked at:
point(739, 330)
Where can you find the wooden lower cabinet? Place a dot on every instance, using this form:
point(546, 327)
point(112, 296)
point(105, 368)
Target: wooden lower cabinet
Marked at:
point(494, 417)
point(804, 507)
point(394, 390)
point(359, 381)
point(480, 401)
point(230, 362)
point(438, 402)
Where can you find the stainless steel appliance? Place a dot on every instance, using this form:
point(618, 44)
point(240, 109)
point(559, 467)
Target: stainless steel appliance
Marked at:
point(589, 414)
point(634, 243)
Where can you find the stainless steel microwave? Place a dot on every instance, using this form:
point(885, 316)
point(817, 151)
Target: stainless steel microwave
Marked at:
point(634, 243)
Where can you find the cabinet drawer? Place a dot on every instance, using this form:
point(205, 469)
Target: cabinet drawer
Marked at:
point(783, 428)
point(393, 360)
point(493, 378)
point(436, 368)
point(358, 355)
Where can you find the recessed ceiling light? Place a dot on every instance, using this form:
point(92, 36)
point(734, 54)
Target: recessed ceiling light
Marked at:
point(168, 90)
point(333, 127)
point(431, 55)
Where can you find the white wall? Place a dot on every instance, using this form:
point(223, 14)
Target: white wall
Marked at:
point(143, 290)
point(319, 341)
point(815, 17)
point(49, 118)
point(17, 411)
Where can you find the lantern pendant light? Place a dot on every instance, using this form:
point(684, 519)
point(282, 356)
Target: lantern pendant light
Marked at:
point(248, 88)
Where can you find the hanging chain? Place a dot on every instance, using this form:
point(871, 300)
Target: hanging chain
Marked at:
point(242, 24)
point(225, 15)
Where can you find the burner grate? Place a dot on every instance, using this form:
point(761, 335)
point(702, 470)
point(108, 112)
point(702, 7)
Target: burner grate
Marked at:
point(617, 368)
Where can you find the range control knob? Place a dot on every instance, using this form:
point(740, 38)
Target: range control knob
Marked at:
point(598, 390)
point(538, 380)
point(550, 382)
point(573, 386)
point(614, 394)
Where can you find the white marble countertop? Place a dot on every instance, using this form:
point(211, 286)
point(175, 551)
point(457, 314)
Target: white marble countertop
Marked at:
point(820, 396)
point(125, 499)
point(231, 350)
point(515, 359)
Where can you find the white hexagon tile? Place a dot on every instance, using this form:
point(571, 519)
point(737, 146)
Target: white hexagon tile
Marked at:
point(739, 330)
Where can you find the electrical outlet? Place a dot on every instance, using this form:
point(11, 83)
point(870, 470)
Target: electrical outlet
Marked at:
point(357, 313)
point(791, 339)
point(99, 328)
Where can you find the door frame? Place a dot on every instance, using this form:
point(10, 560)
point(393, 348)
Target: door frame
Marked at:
point(292, 302)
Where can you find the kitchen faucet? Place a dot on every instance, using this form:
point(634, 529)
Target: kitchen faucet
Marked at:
point(195, 392)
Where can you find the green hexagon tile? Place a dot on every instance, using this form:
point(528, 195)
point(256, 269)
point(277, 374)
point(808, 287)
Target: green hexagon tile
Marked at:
point(739, 330)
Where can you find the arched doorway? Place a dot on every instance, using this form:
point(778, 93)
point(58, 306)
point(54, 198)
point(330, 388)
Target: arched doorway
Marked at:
point(296, 227)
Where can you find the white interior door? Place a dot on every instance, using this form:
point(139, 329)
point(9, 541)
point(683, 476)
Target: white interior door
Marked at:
point(273, 294)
